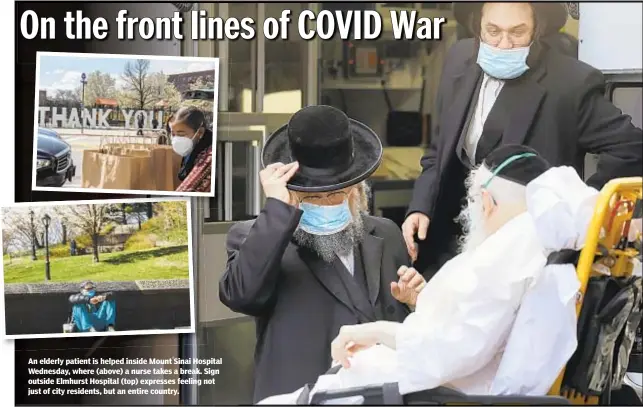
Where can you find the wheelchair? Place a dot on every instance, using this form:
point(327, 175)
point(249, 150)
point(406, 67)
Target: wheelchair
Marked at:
point(608, 309)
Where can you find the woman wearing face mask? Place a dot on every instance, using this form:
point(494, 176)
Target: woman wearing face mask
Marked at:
point(506, 85)
point(192, 140)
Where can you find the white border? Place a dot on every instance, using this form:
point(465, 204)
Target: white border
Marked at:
point(126, 191)
point(191, 329)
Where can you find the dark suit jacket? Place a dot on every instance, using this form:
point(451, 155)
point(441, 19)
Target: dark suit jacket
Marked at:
point(298, 300)
point(558, 108)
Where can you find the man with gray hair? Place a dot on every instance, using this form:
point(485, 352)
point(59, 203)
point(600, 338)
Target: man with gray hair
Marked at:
point(314, 260)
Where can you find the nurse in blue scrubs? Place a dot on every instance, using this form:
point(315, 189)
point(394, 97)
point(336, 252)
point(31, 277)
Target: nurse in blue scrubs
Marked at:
point(93, 312)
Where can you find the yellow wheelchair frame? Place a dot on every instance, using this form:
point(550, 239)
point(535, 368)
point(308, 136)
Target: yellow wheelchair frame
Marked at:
point(606, 237)
point(612, 215)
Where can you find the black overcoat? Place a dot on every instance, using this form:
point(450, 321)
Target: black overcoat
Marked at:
point(299, 302)
point(558, 108)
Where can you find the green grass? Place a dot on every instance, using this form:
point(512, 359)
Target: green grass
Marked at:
point(151, 264)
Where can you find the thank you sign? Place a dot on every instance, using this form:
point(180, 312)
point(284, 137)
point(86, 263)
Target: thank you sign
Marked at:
point(95, 118)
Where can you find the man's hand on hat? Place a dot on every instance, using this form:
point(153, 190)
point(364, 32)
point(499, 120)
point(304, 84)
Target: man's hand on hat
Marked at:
point(414, 223)
point(408, 287)
point(274, 179)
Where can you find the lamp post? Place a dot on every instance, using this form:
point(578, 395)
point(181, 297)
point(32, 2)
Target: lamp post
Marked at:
point(83, 81)
point(46, 220)
point(33, 236)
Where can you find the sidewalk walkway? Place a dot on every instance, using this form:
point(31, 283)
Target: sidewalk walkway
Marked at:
point(114, 132)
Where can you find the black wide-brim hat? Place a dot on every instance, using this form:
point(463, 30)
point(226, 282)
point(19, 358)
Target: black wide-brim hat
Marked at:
point(333, 151)
point(553, 15)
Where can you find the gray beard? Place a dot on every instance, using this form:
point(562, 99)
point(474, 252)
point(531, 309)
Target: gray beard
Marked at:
point(328, 246)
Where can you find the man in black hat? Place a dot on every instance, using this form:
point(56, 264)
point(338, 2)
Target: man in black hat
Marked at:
point(314, 260)
point(507, 86)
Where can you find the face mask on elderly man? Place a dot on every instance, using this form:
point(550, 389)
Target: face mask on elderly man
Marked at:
point(468, 331)
point(324, 220)
point(331, 223)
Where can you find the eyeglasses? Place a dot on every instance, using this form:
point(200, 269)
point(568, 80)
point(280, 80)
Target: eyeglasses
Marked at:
point(333, 198)
point(493, 36)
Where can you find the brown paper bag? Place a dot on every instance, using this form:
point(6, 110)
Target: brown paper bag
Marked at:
point(164, 171)
point(130, 170)
point(176, 167)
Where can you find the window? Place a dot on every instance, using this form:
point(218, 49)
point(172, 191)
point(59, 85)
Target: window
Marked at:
point(285, 70)
point(241, 77)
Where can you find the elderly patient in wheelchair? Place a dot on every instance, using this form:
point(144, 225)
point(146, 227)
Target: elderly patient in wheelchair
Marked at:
point(497, 319)
point(91, 311)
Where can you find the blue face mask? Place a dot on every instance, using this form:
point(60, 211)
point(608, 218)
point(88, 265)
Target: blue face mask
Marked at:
point(503, 63)
point(324, 220)
point(90, 293)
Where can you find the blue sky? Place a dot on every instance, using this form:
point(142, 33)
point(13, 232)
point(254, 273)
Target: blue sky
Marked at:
point(62, 72)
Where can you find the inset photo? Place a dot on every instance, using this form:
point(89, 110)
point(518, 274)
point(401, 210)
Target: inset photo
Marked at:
point(96, 268)
point(134, 124)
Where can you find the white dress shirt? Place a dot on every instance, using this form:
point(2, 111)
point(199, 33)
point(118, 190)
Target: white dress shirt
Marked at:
point(348, 260)
point(489, 91)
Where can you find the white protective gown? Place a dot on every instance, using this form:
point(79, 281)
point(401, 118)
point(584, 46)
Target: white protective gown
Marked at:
point(492, 321)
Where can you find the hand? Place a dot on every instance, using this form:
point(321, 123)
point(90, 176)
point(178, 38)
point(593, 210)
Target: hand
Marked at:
point(355, 338)
point(94, 300)
point(407, 289)
point(415, 223)
point(274, 179)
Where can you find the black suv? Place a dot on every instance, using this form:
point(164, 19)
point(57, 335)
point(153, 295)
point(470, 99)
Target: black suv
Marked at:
point(54, 165)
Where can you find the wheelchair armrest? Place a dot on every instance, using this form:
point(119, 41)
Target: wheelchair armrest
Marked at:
point(503, 400)
point(388, 394)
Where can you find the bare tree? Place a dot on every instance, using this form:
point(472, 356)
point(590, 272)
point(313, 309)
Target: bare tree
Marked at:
point(164, 90)
point(64, 232)
point(99, 85)
point(7, 238)
point(69, 98)
point(24, 227)
point(91, 220)
point(137, 84)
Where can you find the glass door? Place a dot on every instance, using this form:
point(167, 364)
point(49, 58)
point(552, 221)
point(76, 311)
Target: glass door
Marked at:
point(237, 189)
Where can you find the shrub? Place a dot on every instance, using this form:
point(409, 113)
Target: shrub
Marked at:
point(83, 241)
point(59, 250)
point(108, 229)
point(140, 241)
